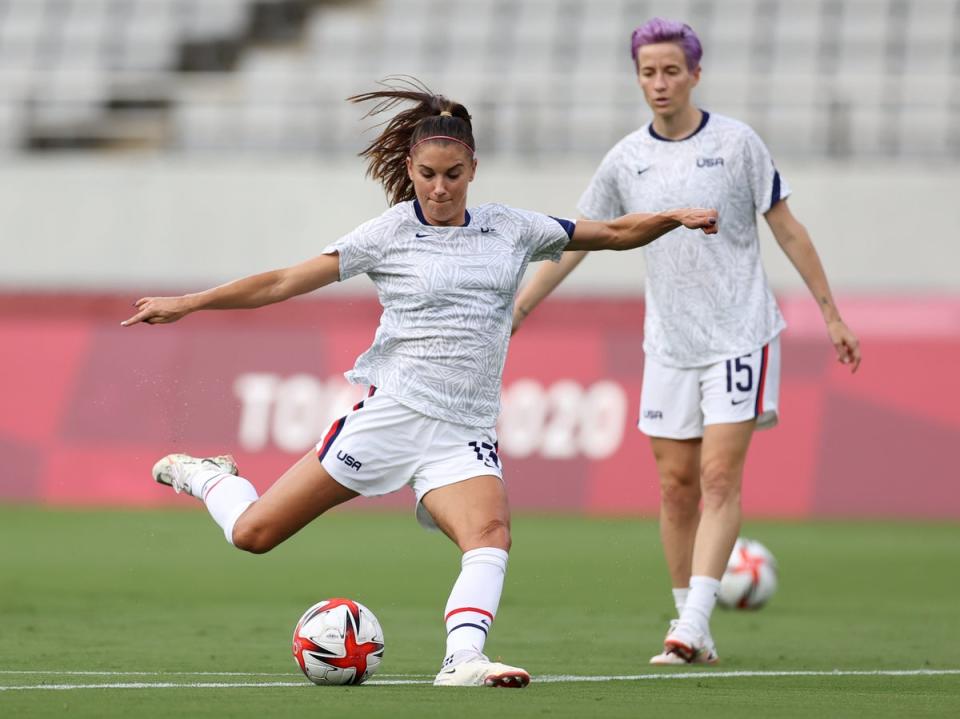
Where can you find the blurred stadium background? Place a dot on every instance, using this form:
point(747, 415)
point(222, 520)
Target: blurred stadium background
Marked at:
point(151, 146)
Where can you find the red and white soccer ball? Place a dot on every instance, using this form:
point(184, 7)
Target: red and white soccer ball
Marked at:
point(750, 579)
point(338, 641)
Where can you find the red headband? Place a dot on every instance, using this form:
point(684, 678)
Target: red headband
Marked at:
point(441, 137)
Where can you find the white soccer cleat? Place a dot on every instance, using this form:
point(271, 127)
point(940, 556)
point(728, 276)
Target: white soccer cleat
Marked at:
point(481, 672)
point(686, 646)
point(177, 470)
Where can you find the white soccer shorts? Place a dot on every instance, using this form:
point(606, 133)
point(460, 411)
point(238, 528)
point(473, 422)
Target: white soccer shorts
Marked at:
point(382, 445)
point(677, 403)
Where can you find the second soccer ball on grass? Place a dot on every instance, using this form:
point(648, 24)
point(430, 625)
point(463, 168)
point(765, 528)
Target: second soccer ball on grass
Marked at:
point(750, 579)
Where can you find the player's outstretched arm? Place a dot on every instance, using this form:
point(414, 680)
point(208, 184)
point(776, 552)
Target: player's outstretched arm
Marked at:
point(249, 292)
point(623, 233)
point(639, 229)
point(796, 244)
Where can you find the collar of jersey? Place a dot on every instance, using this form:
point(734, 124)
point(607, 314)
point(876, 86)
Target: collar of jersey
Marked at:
point(703, 124)
point(423, 220)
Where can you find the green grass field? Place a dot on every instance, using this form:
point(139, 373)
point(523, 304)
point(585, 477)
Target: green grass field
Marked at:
point(158, 599)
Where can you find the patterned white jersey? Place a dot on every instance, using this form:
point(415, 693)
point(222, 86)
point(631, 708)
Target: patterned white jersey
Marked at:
point(707, 297)
point(447, 296)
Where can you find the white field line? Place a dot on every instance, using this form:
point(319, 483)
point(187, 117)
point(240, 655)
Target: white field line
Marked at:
point(707, 674)
point(98, 673)
point(546, 679)
point(153, 685)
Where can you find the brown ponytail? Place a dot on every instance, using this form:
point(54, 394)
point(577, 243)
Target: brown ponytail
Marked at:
point(386, 155)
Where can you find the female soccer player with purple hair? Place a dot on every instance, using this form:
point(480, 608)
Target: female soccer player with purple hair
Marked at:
point(447, 277)
point(712, 326)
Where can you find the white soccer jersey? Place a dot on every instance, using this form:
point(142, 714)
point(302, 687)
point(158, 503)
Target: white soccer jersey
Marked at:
point(707, 297)
point(447, 296)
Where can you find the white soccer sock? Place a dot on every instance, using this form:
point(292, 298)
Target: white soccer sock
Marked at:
point(226, 496)
point(700, 603)
point(473, 602)
point(680, 598)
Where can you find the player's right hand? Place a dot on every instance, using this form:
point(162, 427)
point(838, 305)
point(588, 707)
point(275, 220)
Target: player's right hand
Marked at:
point(158, 310)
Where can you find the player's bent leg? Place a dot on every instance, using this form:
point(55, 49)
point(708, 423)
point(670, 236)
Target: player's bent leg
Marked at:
point(252, 523)
point(179, 470)
point(303, 493)
point(212, 480)
point(474, 513)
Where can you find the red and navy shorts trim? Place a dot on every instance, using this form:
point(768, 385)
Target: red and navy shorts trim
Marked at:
point(761, 382)
point(331, 437)
point(359, 405)
point(337, 426)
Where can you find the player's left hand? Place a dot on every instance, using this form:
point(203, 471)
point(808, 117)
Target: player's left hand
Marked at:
point(846, 344)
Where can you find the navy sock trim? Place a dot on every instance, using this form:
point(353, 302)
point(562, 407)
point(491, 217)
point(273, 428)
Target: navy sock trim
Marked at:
point(468, 624)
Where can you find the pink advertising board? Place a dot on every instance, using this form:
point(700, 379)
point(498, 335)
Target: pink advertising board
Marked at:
point(87, 406)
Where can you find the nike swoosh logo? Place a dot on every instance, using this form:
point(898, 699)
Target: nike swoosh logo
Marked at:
point(640, 172)
point(740, 401)
point(423, 234)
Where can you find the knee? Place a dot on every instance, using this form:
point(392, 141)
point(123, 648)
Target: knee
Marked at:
point(720, 482)
point(495, 533)
point(679, 494)
point(251, 537)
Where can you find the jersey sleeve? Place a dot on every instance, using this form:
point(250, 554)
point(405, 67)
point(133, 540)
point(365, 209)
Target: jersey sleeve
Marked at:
point(360, 251)
point(602, 199)
point(546, 236)
point(766, 184)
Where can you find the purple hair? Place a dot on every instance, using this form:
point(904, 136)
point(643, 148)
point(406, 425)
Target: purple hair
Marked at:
point(659, 30)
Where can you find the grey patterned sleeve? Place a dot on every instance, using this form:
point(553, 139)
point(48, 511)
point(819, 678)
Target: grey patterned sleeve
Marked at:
point(766, 184)
point(360, 251)
point(546, 236)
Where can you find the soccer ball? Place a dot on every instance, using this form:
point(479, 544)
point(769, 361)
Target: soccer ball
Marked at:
point(750, 579)
point(338, 641)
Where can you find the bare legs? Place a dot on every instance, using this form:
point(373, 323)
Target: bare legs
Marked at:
point(697, 543)
point(303, 493)
point(473, 513)
point(723, 455)
point(710, 469)
point(678, 464)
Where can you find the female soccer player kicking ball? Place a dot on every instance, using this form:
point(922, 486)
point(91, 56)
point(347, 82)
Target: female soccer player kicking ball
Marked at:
point(711, 333)
point(446, 277)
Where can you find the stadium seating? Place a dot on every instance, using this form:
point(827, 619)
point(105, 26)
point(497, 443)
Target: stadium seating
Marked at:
point(818, 78)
